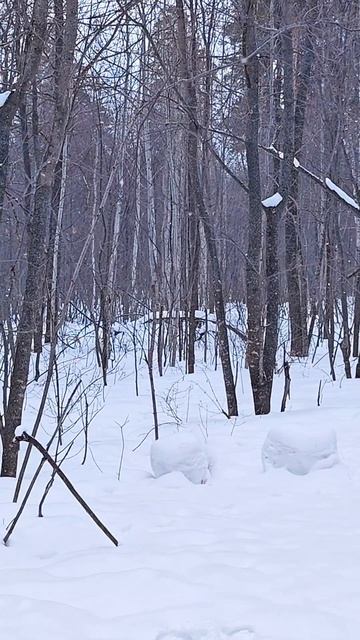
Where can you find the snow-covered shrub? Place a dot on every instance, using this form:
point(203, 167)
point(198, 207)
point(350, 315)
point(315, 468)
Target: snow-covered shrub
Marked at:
point(180, 452)
point(300, 449)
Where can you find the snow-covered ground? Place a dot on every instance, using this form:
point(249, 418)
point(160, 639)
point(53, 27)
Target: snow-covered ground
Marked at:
point(247, 556)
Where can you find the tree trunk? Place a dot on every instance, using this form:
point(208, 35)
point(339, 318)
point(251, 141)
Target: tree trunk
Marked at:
point(255, 331)
point(191, 103)
point(295, 270)
point(28, 65)
point(37, 233)
point(33, 298)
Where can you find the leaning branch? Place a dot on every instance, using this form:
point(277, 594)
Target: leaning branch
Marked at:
point(25, 437)
point(325, 183)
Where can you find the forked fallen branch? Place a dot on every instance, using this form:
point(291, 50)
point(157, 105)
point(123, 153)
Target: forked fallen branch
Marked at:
point(25, 437)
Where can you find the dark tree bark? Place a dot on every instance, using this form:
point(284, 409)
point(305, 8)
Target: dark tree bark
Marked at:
point(193, 243)
point(295, 270)
point(28, 66)
point(253, 275)
point(195, 184)
point(356, 329)
point(284, 121)
point(36, 261)
point(25, 331)
point(263, 342)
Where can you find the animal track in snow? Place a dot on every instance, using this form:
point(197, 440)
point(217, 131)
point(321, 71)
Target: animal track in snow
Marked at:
point(238, 633)
point(227, 633)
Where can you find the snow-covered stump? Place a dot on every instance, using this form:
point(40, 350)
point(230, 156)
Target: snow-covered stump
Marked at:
point(300, 449)
point(180, 452)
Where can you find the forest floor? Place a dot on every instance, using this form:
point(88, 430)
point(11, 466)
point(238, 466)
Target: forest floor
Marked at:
point(247, 556)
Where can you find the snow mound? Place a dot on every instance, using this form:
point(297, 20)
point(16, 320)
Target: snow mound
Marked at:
point(300, 449)
point(180, 452)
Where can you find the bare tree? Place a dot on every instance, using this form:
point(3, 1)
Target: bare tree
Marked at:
point(33, 295)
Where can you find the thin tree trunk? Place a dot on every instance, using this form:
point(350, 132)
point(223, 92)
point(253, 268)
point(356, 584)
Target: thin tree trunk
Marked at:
point(55, 248)
point(150, 204)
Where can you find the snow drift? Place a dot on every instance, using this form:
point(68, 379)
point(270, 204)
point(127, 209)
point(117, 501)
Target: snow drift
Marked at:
point(180, 452)
point(300, 449)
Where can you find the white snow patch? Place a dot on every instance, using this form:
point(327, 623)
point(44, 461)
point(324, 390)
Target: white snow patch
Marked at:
point(300, 449)
point(3, 97)
point(274, 150)
point(272, 201)
point(250, 556)
point(180, 452)
point(344, 196)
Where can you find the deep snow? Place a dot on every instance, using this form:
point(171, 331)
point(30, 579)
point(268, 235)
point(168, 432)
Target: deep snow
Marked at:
point(300, 448)
point(182, 451)
point(248, 555)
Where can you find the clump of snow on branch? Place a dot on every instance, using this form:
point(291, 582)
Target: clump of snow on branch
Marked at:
point(180, 452)
point(3, 97)
point(300, 449)
point(344, 196)
point(272, 201)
